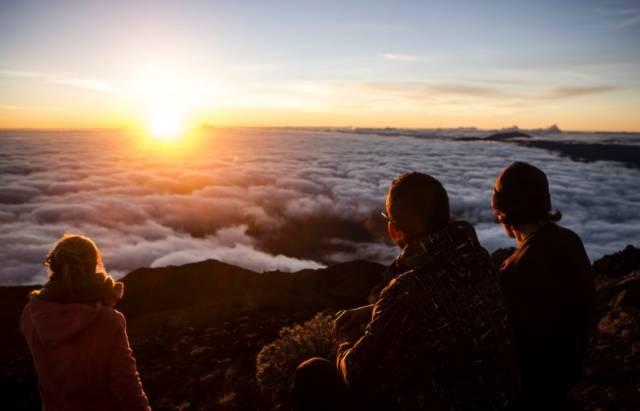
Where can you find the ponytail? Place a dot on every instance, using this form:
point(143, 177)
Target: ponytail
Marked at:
point(554, 215)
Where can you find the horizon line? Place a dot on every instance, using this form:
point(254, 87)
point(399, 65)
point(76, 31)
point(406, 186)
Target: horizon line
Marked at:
point(206, 125)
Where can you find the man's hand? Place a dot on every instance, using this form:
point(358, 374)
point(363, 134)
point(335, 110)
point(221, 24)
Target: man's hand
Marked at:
point(349, 324)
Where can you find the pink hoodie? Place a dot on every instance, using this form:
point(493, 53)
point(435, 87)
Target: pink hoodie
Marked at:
point(82, 356)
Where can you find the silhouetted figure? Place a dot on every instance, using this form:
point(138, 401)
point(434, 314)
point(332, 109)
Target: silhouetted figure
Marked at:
point(78, 341)
point(548, 285)
point(437, 338)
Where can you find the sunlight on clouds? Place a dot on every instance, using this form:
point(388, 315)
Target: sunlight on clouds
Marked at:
point(268, 198)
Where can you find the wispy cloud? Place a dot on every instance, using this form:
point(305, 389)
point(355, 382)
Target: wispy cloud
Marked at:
point(560, 92)
point(631, 20)
point(24, 74)
point(375, 27)
point(623, 18)
point(368, 96)
point(30, 108)
point(258, 67)
point(428, 91)
point(424, 91)
point(95, 84)
point(87, 83)
point(414, 58)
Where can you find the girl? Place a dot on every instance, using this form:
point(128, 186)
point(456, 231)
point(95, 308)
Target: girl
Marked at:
point(77, 339)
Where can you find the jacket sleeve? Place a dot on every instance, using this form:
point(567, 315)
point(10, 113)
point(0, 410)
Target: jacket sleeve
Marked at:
point(124, 378)
point(382, 358)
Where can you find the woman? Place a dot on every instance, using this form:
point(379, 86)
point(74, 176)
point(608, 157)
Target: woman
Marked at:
point(548, 286)
point(77, 339)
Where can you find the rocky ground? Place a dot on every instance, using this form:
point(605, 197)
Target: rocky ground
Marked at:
point(612, 369)
point(196, 330)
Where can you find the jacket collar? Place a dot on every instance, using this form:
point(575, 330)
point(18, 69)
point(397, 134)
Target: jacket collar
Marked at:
point(424, 250)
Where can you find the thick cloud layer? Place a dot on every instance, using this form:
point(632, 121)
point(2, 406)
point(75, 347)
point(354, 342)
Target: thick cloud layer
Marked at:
point(267, 199)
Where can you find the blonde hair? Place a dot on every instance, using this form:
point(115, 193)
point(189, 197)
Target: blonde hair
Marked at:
point(74, 260)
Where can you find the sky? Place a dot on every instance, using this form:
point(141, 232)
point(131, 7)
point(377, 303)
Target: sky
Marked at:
point(425, 64)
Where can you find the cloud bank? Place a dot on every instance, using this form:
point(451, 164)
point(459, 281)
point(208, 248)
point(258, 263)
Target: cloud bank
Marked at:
point(267, 199)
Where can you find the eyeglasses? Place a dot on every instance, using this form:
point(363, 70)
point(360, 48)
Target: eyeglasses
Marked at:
point(386, 217)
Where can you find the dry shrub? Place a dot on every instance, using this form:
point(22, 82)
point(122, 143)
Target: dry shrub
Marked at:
point(277, 361)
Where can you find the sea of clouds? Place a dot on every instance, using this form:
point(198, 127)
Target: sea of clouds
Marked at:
point(267, 199)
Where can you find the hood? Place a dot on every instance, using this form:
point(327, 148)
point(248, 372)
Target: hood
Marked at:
point(57, 322)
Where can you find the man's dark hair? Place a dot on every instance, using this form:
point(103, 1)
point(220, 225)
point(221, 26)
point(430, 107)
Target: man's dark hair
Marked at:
point(418, 198)
point(521, 195)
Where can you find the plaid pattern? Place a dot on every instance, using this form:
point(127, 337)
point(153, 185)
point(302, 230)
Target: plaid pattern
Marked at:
point(439, 338)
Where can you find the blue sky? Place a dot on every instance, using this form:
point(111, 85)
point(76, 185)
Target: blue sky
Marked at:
point(415, 64)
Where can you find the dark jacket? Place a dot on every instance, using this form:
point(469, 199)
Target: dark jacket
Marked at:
point(550, 294)
point(439, 338)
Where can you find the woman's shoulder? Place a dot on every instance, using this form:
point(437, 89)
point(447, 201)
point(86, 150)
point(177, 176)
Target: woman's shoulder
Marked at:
point(549, 242)
point(111, 316)
point(557, 239)
point(568, 233)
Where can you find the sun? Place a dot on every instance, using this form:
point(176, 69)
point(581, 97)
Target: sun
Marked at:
point(166, 98)
point(166, 124)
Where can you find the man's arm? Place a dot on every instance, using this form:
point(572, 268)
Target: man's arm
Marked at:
point(353, 318)
point(383, 356)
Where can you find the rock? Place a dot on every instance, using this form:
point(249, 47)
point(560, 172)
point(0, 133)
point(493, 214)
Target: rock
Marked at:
point(630, 297)
point(553, 129)
point(227, 399)
point(618, 264)
point(613, 357)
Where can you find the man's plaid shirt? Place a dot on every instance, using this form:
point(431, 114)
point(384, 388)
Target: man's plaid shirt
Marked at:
point(439, 338)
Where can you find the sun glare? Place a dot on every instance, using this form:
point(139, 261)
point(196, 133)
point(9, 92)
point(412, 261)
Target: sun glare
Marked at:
point(166, 98)
point(166, 125)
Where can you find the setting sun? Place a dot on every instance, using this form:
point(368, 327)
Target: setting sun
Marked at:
point(165, 98)
point(165, 124)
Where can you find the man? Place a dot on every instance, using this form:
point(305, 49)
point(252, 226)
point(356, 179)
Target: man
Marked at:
point(437, 338)
point(548, 286)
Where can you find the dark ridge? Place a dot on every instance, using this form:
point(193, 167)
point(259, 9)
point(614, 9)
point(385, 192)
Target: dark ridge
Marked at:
point(506, 135)
point(627, 154)
point(212, 290)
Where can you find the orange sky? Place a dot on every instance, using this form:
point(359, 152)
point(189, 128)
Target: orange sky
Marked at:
point(363, 65)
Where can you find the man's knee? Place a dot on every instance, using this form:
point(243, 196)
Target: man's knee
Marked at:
point(315, 373)
point(316, 381)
